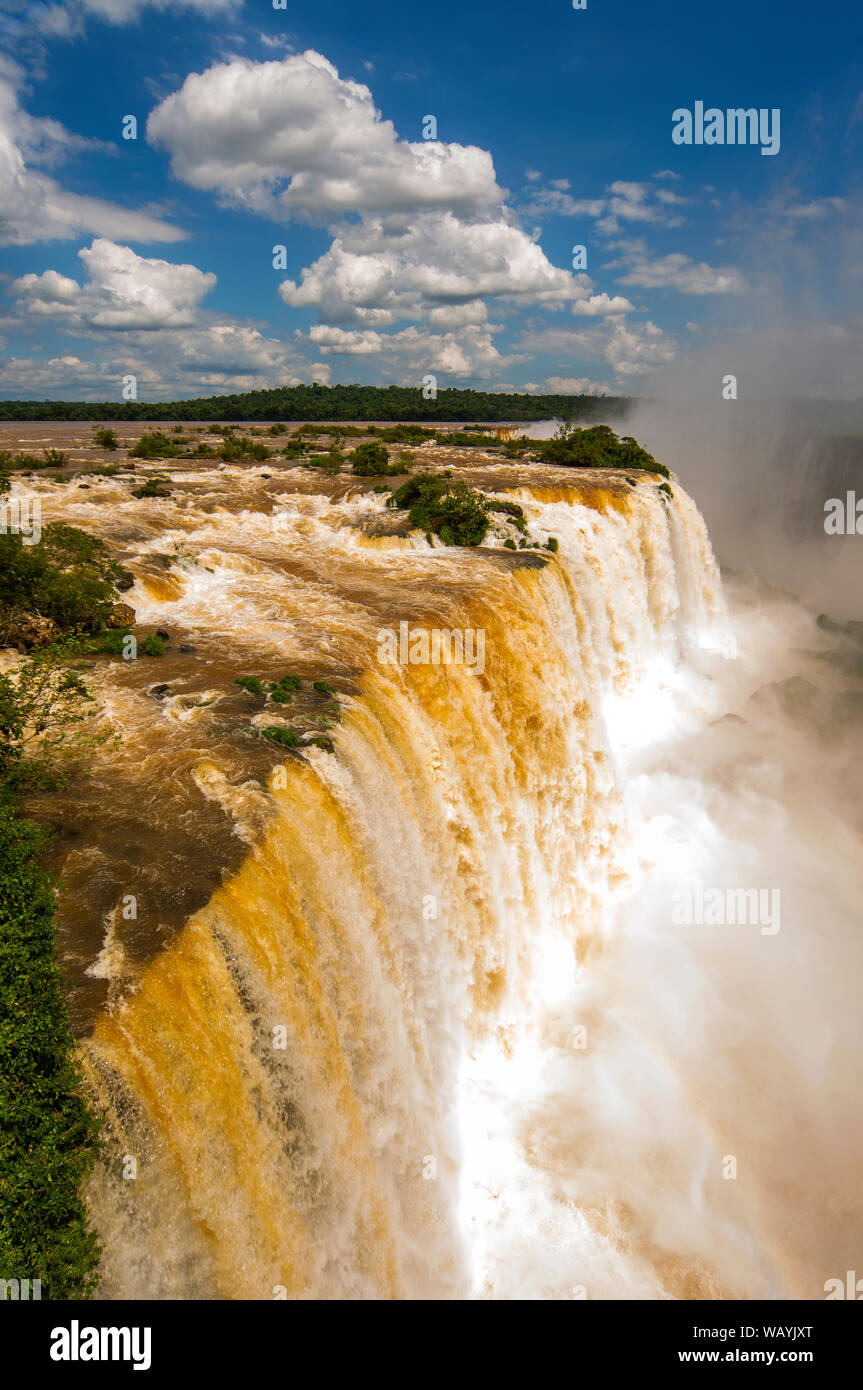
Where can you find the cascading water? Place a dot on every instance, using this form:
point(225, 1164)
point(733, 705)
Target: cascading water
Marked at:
point(436, 1034)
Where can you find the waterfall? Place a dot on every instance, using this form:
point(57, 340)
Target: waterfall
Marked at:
point(433, 1032)
point(289, 1075)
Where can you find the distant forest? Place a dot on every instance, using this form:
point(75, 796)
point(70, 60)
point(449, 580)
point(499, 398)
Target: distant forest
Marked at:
point(332, 403)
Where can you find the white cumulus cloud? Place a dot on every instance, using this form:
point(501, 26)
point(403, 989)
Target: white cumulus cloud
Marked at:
point(381, 270)
point(122, 291)
point(294, 135)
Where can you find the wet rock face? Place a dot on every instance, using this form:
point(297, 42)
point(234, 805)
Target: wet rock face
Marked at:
point(122, 615)
point(29, 630)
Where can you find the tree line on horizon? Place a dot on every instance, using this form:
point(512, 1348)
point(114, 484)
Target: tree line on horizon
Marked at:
point(317, 402)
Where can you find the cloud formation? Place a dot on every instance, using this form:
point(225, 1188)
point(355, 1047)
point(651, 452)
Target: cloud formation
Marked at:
point(34, 206)
point(122, 291)
point(422, 234)
point(293, 136)
point(678, 272)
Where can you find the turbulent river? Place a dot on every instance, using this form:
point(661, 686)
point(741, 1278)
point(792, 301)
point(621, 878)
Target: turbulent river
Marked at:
point(419, 1017)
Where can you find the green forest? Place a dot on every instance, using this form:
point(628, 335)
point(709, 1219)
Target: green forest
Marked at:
point(333, 403)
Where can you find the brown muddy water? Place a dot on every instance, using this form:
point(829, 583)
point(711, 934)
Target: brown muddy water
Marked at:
point(414, 1018)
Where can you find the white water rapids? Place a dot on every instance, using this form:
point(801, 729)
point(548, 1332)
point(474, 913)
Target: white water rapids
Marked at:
point(508, 1071)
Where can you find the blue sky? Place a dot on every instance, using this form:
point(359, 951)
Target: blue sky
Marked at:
point(303, 127)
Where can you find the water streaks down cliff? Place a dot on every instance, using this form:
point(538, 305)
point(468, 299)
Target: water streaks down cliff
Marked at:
point(435, 1034)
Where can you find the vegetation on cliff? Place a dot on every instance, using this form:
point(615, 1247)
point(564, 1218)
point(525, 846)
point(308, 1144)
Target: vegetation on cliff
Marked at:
point(48, 1133)
point(597, 447)
point(67, 581)
point(441, 506)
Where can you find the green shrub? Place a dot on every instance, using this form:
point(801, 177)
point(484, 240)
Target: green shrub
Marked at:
point(331, 461)
point(510, 545)
point(50, 1135)
point(597, 447)
point(154, 487)
point(106, 439)
point(513, 511)
point(45, 722)
point(552, 545)
point(112, 641)
point(253, 684)
point(69, 577)
point(153, 646)
point(285, 737)
point(243, 450)
point(402, 434)
point(155, 445)
point(461, 439)
point(22, 462)
point(370, 459)
point(282, 691)
point(451, 510)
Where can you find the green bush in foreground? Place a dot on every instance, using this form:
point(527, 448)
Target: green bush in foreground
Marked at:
point(69, 577)
point(48, 1135)
point(48, 720)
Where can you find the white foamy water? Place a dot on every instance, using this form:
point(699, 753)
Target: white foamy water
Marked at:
point(503, 1070)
